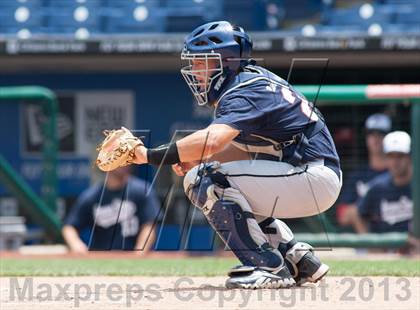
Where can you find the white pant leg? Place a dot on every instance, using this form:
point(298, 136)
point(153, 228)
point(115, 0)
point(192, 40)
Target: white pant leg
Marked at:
point(281, 190)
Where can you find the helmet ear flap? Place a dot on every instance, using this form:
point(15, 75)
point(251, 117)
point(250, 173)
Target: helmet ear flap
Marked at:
point(241, 41)
point(245, 49)
point(242, 44)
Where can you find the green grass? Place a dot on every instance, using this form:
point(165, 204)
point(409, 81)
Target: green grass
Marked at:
point(208, 266)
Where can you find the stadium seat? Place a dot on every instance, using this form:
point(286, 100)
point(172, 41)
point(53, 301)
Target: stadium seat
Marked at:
point(401, 28)
point(294, 9)
point(80, 18)
point(249, 14)
point(399, 2)
point(133, 17)
point(21, 18)
point(211, 8)
point(354, 29)
point(411, 15)
point(365, 14)
point(18, 3)
point(312, 30)
point(185, 15)
point(83, 18)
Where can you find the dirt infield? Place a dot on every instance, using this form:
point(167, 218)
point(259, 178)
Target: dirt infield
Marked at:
point(204, 293)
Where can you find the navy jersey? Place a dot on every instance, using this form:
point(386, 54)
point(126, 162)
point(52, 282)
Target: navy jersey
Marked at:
point(118, 217)
point(387, 207)
point(358, 183)
point(267, 110)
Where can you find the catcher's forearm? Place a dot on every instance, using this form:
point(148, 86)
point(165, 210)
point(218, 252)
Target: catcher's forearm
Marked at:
point(205, 143)
point(196, 146)
point(165, 154)
point(162, 155)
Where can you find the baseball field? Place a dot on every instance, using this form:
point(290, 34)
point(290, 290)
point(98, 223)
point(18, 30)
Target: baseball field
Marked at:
point(177, 281)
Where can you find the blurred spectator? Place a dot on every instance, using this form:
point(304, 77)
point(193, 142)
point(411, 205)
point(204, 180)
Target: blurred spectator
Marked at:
point(388, 206)
point(119, 216)
point(357, 184)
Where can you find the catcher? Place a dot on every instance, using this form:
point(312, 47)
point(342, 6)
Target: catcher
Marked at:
point(267, 155)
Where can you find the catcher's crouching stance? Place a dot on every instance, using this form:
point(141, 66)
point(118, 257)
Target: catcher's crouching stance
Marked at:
point(267, 155)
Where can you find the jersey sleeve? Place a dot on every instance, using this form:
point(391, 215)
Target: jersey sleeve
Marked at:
point(80, 215)
point(366, 206)
point(240, 114)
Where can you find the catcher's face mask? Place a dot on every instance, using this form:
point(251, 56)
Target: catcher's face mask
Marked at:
point(200, 73)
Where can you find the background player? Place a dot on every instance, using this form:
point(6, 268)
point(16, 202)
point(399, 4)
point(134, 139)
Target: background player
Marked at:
point(388, 206)
point(356, 184)
point(296, 173)
point(121, 215)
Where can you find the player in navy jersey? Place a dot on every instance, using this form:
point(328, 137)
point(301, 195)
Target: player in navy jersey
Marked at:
point(388, 204)
point(357, 183)
point(267, 155)
point(119, 215)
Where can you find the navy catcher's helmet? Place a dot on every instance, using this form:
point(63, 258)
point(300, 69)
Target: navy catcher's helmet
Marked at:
point(224, 49)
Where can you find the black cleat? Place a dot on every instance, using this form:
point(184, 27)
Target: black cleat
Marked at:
point(248, 277)
point(311, 269)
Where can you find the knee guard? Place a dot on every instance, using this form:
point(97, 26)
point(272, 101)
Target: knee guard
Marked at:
point(199, 185)
point(229, 213)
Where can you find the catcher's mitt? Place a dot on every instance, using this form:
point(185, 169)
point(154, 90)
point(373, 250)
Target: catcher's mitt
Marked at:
point(117, 150)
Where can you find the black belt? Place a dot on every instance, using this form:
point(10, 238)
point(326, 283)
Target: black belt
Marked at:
point(332, 164)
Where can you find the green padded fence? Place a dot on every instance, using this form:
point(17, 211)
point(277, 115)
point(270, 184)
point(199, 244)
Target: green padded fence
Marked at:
point(33, 205)
point(42, 211)
point(350, 240)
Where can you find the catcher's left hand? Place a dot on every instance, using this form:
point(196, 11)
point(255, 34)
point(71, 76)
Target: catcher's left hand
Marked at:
point(117, 150)
point(181, 169)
